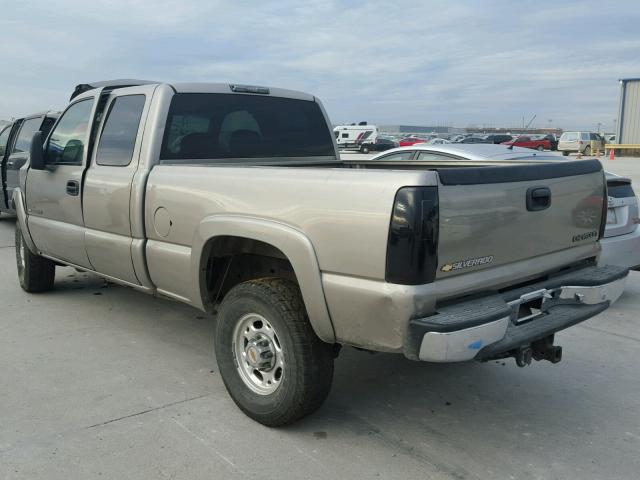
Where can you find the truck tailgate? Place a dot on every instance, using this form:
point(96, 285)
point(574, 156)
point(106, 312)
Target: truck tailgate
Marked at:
point(494, 215)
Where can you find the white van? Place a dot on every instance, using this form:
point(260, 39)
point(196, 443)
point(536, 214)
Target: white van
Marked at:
point(351, 136)
point(579, 142)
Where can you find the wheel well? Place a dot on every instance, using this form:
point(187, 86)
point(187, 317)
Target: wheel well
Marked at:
point(229, 260)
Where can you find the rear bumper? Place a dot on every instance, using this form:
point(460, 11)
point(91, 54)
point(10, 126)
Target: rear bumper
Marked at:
point(621, 250)
point(490, 326)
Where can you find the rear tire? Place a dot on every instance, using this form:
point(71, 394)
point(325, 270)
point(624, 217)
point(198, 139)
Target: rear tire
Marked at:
point(273, 365)
point(565, 153)
point(36, 273)
point(587, 151)
point(364, 149)
point(540, 148)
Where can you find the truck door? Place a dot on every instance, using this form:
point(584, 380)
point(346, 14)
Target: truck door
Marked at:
point(108, 183)
point(19, 153)
point(4, 142)
point(54, 195)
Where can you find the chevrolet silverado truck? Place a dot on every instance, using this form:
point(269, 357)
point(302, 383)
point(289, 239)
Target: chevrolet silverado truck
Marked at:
point(233, 199)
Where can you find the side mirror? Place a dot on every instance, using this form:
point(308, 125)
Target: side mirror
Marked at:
point(36, 155)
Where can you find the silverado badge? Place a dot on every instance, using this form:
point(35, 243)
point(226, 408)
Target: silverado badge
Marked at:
point(471, 262)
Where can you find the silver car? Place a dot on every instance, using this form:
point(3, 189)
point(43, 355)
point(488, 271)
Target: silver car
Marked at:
point(621, 241)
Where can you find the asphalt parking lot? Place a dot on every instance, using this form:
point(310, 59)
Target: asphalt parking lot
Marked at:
point(99, 381)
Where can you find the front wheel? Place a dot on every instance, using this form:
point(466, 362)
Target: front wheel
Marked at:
point(36, 273)
point(565, 154)
point(587, 151)
point(272, 363)
point(540, 148)
point(364, 149)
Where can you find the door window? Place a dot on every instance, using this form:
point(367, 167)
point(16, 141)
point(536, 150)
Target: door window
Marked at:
point(120, 131)
point(28, 128)
point(394, 157)
point(67, 141)
point(433, 157)
point(4, 138)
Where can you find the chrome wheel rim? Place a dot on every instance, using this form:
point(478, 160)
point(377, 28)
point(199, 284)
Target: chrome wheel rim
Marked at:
point(258, 354)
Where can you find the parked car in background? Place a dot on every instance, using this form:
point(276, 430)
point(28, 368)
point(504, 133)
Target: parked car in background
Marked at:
point(574, 142)
point(524, 141)
point(408, 141)
point(380, 144)
point(621, 242)
point(621, 239)
point(15, 142)
point(498, 138)
point(438, 141)
point(610, 139)
point(474, 139)
point(553, 141)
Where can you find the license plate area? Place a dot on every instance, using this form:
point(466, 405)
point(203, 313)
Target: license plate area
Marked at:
point(531, 305)
point(612, 218)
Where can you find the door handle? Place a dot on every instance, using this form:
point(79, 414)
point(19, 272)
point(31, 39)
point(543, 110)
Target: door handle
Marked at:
point(538, 198)
point(73, 188)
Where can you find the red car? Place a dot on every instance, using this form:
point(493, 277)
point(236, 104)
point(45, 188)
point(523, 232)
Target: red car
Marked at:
point(528, 142)
point(408, 141)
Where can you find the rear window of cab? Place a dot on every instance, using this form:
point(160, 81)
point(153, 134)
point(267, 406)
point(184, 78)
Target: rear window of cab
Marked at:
point(214, 127)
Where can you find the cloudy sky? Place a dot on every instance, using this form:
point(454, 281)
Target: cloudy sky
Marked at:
point(423, 62)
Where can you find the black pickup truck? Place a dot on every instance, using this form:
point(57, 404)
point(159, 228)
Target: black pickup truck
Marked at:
point(15, 142)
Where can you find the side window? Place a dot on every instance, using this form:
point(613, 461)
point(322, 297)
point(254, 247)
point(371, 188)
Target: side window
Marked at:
point(23, 140)
point(66, 144)
point(120, 131)
point(394, 157)
point(4, 138)
point(345, 135)
point(584, 135)
point(433, 157)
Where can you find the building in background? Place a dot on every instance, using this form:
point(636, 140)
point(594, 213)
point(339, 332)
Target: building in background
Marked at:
point(628, 124)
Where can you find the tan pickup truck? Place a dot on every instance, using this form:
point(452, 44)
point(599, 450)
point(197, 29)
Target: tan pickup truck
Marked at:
point(233, 197)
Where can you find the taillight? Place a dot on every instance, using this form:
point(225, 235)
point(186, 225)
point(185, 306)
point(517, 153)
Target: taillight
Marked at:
point(412, 247)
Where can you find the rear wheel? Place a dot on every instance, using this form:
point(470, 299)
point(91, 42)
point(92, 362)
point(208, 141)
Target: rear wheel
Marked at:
point(364, 149)
point(36, 273)
point(565, 153)
point(587, 151)
point(540, 148)
point(272, 363)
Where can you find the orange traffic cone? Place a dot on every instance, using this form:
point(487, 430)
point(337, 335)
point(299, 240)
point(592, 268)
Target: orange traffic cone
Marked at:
point(611, 154)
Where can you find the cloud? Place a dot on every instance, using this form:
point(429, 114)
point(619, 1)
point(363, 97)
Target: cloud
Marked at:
point(468, 62)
